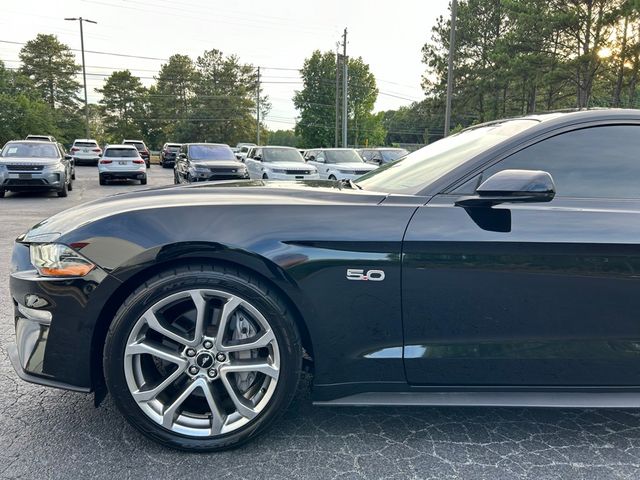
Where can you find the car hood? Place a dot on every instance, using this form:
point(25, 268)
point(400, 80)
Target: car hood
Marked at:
point(288, 165)
point(353, 166)
point(28, 161)
point(216, 194)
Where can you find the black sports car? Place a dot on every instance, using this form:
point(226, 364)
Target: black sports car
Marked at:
point(498, 266)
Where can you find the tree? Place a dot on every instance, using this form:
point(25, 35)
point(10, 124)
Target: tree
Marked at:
point(21, 110)
point(316, 102)
point(123, 105)
point(286, 138)
point(51, 66)
point(223, 107)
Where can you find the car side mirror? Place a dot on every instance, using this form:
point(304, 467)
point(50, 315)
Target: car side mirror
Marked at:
point(182, 155)
point(521, 186)
point(258, 158)
point(68, 157)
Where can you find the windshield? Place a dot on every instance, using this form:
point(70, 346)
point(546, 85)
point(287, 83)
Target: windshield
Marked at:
point(30, 150)
point(173, 148)
point(391, 155)
point(138, 145)
point(85, 144)
point(281, 155)
point(421, 168)
point(121, 152)
point(342, 156)
point(211, 152)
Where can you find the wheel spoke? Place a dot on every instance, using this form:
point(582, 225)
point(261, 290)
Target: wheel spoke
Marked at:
point(243, 406)
point(227, 311)
point(154, 324)
point(157, 350)
point(262, 341)
point(201, 311)
point(144, 395)
point(240, 366)
point(217, 416)
point(170, 412)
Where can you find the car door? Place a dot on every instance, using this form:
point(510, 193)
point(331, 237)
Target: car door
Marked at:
point(251, 163)
point(181, 163)
point(320, 163)
point(531, 294)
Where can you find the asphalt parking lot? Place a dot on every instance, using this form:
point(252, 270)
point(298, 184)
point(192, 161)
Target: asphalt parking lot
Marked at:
point(47, 433)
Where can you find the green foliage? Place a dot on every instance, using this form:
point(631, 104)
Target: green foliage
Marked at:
point(286, 138)
point(515, 57)
point(51, 66)
point(316, 102)
point(123, 106)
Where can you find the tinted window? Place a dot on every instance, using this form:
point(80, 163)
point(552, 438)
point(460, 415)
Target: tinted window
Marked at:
point(422, 167)
point(85, 144)
point(281, 155)
point(138, 145)
point(391, 155)
point(211, 152)
point(593, 162)
point(121, 152)
point(31, 150)
point(342, 156)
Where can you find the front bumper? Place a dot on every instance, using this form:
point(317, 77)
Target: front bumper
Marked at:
point(55, 321)
point(32, 180)
point(288, 176)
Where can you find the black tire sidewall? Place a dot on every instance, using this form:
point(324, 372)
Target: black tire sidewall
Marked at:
point(283, 328)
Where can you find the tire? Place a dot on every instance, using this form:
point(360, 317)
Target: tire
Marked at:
point(175, 178)
point(332, 177)
point(143, 181)
point(73, 175)
point(1, 193)
point(125, 334)
point(265, 177)
point(70, 187)
point(63, 192)
point(102, 180)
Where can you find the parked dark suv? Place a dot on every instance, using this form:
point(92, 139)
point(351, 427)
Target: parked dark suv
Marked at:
point(27, 165)
point(199, 162)
point(168, 154)
point(142, 148)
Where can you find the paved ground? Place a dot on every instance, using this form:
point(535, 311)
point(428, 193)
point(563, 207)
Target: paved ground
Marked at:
point(47, 433)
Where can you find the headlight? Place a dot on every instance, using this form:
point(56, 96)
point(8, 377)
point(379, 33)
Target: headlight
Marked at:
point(347, 172)
point(3, 167)
point(55, 167)
point(57, 260)
point(278, 170)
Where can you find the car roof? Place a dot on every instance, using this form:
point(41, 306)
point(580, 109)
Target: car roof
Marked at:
point(207, 143)
point(127, 140)
point(121, 145)
point(85, 140)
point(39, 142)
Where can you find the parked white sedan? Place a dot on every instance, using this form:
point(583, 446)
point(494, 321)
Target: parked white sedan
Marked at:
point(338, 163)
point(278, 163)
point(122, 162)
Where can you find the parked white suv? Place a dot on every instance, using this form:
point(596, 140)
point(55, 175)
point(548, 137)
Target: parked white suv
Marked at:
point(85, 150)
point(278, 163)
point(122, 162)
point(338, 163)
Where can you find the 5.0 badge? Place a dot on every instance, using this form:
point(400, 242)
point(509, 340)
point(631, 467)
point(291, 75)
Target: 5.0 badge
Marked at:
point(369, 275)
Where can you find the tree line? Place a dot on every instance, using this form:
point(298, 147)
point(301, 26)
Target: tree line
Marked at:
point(516, 57)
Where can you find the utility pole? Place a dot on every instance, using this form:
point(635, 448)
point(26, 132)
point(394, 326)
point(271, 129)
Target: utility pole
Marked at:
point(258, 109)
point(337, 134)
point(452, 49)
point(84, 71)
point(345, 74)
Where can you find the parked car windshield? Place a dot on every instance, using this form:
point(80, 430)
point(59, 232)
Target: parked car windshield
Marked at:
point(211, 152)
point(281, 155)
point(120, 152)
point(30, 150)
point(391, 155)
point(173, 148)
point(343, 156)
point(422, 167)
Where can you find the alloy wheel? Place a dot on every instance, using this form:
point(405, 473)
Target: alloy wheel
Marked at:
point(202, 362)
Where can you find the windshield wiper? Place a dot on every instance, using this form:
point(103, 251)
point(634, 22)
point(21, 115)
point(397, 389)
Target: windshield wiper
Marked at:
point(353, 185)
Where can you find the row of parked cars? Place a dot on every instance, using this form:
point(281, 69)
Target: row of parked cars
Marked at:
point(195, 162)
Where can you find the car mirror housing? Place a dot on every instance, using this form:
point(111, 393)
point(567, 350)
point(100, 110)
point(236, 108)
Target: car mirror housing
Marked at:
point(522, 186)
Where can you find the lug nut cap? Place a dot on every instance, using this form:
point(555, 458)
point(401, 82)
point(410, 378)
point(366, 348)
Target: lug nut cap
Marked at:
point(213, 373)
point(221, 357)
point(193, 370)
point(191, 352)
point(208, 344)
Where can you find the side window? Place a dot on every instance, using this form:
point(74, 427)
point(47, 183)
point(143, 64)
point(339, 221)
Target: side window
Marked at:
point(320, 156)
point(185, 149)
point(257, 152)
point(366, 155)
point(596, 162)
point(310, 153)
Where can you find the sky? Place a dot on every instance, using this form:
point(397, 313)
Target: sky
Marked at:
point(277, 35)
